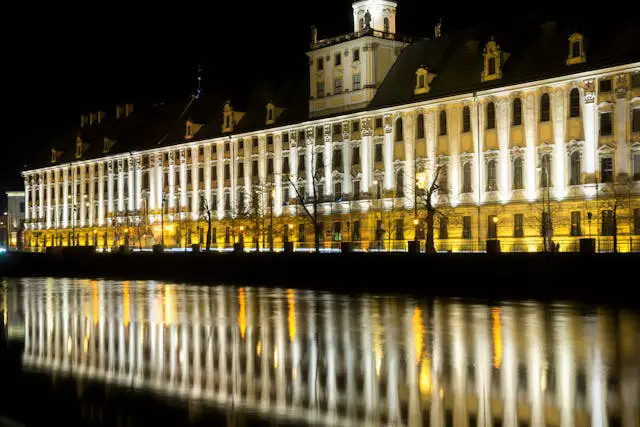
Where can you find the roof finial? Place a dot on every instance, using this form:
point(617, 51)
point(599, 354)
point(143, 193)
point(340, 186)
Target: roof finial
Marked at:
point(438, 29)
point(199, 90)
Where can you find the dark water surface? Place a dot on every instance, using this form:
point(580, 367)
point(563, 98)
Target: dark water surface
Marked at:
point(139, 353)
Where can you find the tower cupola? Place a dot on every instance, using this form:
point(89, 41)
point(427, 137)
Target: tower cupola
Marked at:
point(379, 15)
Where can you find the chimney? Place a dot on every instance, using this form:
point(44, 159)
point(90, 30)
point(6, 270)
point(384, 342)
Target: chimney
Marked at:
point(84, 121)
point(101, 115)
point(92, 119)
point(128, 109)
point(119, 111)
point(314, 34)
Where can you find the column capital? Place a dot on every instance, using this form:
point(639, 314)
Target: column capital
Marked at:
point(589, 91)
point(366, 127)
point(621, 85)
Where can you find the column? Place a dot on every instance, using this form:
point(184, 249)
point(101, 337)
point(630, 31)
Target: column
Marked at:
point(346, 158)
point(56, 196)
point(277, 172)
point(477, 130)
point(40, 197)
point(328, 164)
point(151, 170)
point(48, 201)
point(366, 130)
point(81, 197)
point(172, 180)
point(195, 183)
point(120, 208)
point(504, 131)
point(409, 164)
point(589, 123)
point(310, 159)
point(138, 181)
point(387, 156)
point(453, 132)
point(34, 197)
point(109, 187)
point(101, 212)
point(559, 117)
point(131, 187)
point(530, 141)
point(92, 194)
point(159, 181)
point(27, 188)
point(65, 197)
point(221, 181)
point(622, 121)
point(207, 176)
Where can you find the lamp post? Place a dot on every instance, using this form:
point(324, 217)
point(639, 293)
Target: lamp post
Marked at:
point(375, 216)
point(546, 209)
point(273, 192)
point(162, 204)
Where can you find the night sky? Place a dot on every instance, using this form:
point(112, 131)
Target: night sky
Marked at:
point(64, 63)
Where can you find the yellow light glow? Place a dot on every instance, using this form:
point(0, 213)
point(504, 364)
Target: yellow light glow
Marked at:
point(497, 337)
point(125, 303)
point(416, 221)
point(421, 180)
point(291, 318)
point(290, 226)
point(242, 313)
point(95, 231)
point(169, 306)
point(532, 248)
point(242, 228)
point(495, 219)
point(418, 332)
point(86, 344)
point(126, 230)
point(96, 305)
point(259, 348)
point(169, 228)
point(425, 377)
point(275, 357)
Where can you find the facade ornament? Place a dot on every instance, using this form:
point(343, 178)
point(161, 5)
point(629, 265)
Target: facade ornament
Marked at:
point(621, 85)
point(366, 127)
point(327, 134)
point(308, 134)
point(110, 167)
point(172, 157)
point(589, 91)
point(183, 156)
point(388, 125)
point(120, 166)
point(346, 130)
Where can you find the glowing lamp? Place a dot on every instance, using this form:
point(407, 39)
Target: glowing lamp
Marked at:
point(290, 226)
point(415, 221)
point(495, 219)
point(242, 228)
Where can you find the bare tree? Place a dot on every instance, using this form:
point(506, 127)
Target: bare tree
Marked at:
point(313, 214)
point(615, 196)
point(205, 211)
point(426, 194)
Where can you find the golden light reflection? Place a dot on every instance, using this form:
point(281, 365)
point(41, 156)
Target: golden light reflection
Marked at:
point(96, 304)
point(418, 332)
point(125, 304)
point(242, 313)
point(425, 377)
point(259, 348)
point(169, 306)
point(497, 337)
point(376, 331)
point(291, 318)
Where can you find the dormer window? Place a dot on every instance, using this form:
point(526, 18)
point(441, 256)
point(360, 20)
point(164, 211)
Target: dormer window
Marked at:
point(188, 134)
point(271, 117)
point(230, 117)
point(576, 49)
point(54, 155)
point(79, 147)
point(494, 58)
point(423, 79)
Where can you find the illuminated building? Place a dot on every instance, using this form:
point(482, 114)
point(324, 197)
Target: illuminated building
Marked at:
point(534, 130)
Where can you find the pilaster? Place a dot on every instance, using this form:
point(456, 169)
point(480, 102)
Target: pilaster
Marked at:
point(101, 212)
point(559, 116)
point(504, 127)
point(366, 130)
point(622, 123)
point(195, 182)
point(589, 123)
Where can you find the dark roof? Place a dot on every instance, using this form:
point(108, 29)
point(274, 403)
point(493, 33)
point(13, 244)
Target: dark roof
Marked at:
point(537, 51)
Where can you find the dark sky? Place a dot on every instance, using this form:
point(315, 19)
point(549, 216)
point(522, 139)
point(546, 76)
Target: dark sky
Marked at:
point(62, 63)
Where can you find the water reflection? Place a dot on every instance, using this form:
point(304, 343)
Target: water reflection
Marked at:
point(327, 359)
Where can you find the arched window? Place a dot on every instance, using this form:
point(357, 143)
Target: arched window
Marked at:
point(386, 24)
point(517, 174)
point(576, 178)
point(491, 116)
point(399, 135)
point(491, 68)
point(443, 122)
point(420, 127)
point(492, 184)
point(574, 103)
point(545, 108)
point(517, 112)
point(545, 171)
point(400, 183)
point(466, 178)
point(466, 119)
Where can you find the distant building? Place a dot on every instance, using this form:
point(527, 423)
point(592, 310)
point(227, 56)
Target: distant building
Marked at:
point(534, 131)
point(14, 220)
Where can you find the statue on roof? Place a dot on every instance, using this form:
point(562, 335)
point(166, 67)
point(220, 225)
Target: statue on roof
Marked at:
point(367, 20)
point(439, 28)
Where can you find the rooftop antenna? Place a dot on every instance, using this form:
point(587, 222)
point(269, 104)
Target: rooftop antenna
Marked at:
point(199, 90)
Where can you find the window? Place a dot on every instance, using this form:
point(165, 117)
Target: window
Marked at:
point(301, 163)
point(420, 82)
point(546, 225)
point(636, 221)
point(399, 183)
point(320, 192)
point(301, 136)
point(466, 177)
point(338, 60)
point(466, 119)
point(320, 89)
point(635, 123)
point(226, 147)
point(608, 223)
point(356, 231)
point(269, 114)
point(337, 85)
point(301, 234)
point(200, 175)
point(399, 229)
point(443, 180)
point(320, 64)
point(517, 174)
point(319, 160)
point(337, 158)
point(575, 49)
point(337, 191)
point(605, 85)
point(635, 80)
point(355, 126)
point(575, 171)
point(518, 229)
point(517, 112)
point(356, 82)
point(227, 234)
point(420, 126)
point(356, 155)
point(227, 201)
point(285, 137)
point(214, 202)
point(270, 140)
point(466, 227)
point(337, 231)
point(356, 54)
point(356, 189)
point(319, 132)
point(636, 166)
point(606, 169)
point(491, 176)
point(491, 116)
point(574, 103)
point(545, 108)
point(545, 171)
point(399, 135)
point(605, 124)
point(269, 166)
point(492, 227)
point(240, 144)
point(491, 66)
point(337, 129)
point(254, 168)
point(214, 173)
point(240, 169)
point(285, 165)
point(378, 153)
point(227, 174)
point(443, 228)
point(576, 229)
point(442, 123)
point(378, 122)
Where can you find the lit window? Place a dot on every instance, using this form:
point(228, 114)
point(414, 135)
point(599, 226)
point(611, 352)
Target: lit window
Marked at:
point(575, 171)
point(545, 108)
point(517, 112)
point(492, 176)
point(517, 174)
point(518, 226)
point(574, 103)
point(338, 85)
point(356, 82)
point(606, 169)
point(545, 171)
point(491, 116)
point(466, 178)
point(466, 120)
point(576, 227)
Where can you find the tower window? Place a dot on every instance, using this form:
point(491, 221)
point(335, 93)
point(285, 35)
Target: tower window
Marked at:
point(517, 112)
point(545, 108)
point(386, 24)
point(574, 103)
point(491, 67)
point(491, 116)
point(575, 49)
point(466, 119)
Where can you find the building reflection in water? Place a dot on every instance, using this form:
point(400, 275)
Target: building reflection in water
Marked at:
point(328, 359)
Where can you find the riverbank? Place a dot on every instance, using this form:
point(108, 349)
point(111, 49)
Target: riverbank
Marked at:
point(590, 278)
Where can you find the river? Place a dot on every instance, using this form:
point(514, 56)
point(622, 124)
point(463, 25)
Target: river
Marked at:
point(135, 353)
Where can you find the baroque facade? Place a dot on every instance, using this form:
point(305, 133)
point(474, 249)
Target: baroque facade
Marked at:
point(530, 142)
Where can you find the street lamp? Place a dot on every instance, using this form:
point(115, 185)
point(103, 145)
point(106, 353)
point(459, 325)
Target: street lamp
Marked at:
point(162, 204)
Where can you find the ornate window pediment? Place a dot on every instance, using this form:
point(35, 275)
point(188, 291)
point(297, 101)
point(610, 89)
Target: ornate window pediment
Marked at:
point(230, 117)
point(81, 147)
point(494, 59)
point(423, 80)
point(576, 49)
